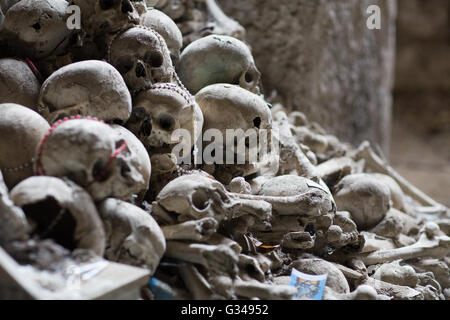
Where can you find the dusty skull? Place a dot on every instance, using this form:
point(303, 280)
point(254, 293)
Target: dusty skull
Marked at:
point(161, 110)
point(218, 59)
point(229, 107)
point(167, 28)
point(107, 16)
point(93, 155)
point(37, 28)
point(21, 129)
point(366, 198)
point(88, 88)
point(18, 84)
point(142, 57)
point(143, 164)
point(132, 235)
point(60, 210)
point(195, 197)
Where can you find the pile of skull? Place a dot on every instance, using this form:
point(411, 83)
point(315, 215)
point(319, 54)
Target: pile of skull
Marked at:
point(86, 120)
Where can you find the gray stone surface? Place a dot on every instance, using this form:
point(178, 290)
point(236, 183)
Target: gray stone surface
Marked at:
point(323, 60)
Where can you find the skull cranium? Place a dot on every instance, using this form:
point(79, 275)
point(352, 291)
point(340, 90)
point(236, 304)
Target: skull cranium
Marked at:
point(218, 59)
point(88, 88)
point(142, 57)
point(93, 155)
point(133, 236)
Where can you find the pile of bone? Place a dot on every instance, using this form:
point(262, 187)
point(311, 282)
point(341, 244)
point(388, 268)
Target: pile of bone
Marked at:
point(86, 120)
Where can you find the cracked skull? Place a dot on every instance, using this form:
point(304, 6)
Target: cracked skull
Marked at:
point(58, 209)
point(218, 59)
point(132, 235)
point(160, 111)
point(88, 88)
point(142, 57)
point(93, 155)
point(37, 28)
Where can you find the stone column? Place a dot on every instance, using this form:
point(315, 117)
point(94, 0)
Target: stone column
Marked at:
point(322, 59)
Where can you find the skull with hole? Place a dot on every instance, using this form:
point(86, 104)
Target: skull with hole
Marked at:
point(132, 235)
point(18, 84)
point(167, 28)
point(142, 57)
point(245, 124)
point(161, 110)
point(195, 197)
point(58, 209)
point(37, 29)
point(93, 155)
point(218, 59)
point(88, 88)
point(21, 129)
point(100, 17)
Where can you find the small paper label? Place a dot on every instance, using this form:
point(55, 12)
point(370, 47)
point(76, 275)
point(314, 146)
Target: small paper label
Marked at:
point(309, 287)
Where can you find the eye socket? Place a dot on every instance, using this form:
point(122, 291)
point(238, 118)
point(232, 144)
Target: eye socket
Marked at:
point(100, 172)
point(107, 4)
point(257, 122)
point(249, 77)
point(124, 64)
point(146, 128)
point(36, 26)
point(166, 122)
point(154, 59)
point(124, 170)
point(200, 201)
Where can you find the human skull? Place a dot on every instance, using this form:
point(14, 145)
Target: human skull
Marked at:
point(60, 210)
point(21, 129)
point(132, 235)
point(93, 155)
point(229, 107)
point(142, 57)
point(88, 88)
point(218, 59)
point(143, 163)
point(101, 17)
point(37, 28)
point(18, 84)
point(195, 196)
point(167, 28)
point(161, 110)
point(366, 198)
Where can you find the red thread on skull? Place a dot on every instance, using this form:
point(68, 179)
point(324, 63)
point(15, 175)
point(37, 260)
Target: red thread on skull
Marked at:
point(39, 169)
point(34, 70)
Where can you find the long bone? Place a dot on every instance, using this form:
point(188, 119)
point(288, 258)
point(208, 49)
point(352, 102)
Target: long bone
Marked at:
point(375, 163)
point(196, 230)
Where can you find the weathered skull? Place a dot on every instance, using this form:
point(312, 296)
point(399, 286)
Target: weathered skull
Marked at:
point(366, 198)
point(21, 129)
point(142, 164)
point(218, 59)
point(37, 28)
point(100, 17)
point(60, 210)
point(142, 57)
point(93, 155)
point(167, 28)
point(195, 197)
point(18, 84)
point(229, 107)
point(88, 88)
point(132, 235)
point(161, 110)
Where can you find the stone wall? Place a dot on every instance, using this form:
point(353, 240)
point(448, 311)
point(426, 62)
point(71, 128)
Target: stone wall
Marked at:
point(323, 60)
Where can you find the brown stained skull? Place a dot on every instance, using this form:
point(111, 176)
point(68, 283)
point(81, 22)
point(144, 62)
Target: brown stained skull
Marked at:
point(161, 110)
point(142, 57)
point(94, 156)
point(100, 17)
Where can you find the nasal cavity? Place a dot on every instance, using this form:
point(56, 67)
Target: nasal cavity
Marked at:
point(257, 122)
point(140, 70)
point(126, 7)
